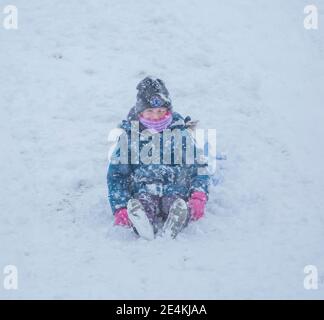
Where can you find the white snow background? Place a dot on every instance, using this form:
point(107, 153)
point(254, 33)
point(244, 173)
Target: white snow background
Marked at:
point(247, 68)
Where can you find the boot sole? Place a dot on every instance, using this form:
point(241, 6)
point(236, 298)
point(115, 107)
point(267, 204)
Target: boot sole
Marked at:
point(139, 219)
point(177, 218)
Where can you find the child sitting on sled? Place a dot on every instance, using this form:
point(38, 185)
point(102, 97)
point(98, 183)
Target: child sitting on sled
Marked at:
point(148, 193)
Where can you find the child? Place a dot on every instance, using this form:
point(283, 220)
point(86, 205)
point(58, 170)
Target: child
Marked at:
point(145, 194)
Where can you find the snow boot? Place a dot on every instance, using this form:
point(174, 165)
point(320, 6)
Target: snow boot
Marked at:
point(139, 219)
point(177, 218)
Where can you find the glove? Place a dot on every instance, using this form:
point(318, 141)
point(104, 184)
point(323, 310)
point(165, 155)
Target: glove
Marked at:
point(121, 217)
point(197, 204)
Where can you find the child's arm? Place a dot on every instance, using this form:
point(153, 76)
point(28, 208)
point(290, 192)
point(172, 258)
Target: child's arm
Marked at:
point(118, 177)
point(198, 188)
point(198, 172)
point(118, 192)
point(199, 182)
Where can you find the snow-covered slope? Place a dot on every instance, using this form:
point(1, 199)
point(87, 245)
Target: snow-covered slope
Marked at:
point(247, 68)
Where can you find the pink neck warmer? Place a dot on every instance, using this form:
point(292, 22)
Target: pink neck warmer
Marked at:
point(158, 125)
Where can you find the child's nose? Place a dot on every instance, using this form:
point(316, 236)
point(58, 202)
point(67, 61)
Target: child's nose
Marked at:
point(155, 116)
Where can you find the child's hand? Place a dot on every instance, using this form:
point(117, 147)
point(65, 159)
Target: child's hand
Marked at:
point(197, 204)
point(121, 217)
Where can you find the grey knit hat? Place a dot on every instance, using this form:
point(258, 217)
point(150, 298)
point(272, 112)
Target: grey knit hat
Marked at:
point(152, 93)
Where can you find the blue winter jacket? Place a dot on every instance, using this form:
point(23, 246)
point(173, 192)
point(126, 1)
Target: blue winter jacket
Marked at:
point(126, 180)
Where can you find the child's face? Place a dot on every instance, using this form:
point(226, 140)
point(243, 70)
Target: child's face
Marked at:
point(154, 113)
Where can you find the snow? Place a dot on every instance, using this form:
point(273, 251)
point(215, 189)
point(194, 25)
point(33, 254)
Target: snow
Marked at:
point(248, 69)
